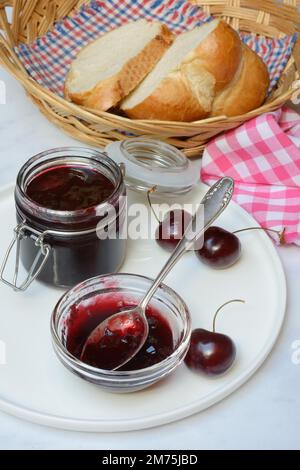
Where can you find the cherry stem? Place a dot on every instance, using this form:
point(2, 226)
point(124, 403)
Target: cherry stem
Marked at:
point(152, 190)
point(279, 233)
point(222, 306)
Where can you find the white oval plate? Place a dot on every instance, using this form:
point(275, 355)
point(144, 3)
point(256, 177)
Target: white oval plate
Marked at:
point(36, 387)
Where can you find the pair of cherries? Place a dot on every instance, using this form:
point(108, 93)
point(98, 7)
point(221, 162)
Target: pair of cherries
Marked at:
point(220, 249)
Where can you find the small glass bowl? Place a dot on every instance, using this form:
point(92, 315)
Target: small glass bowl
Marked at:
point(166, 301)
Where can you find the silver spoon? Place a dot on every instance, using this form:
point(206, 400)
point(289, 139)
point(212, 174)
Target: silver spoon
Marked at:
point(120, 337)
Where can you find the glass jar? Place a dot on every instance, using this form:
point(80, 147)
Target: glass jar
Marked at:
point(62, 247)
point(152, 163)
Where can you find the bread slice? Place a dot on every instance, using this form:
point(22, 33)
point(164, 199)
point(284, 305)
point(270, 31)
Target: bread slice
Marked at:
point(247, 90)
point(183, 84)
point(109, 68)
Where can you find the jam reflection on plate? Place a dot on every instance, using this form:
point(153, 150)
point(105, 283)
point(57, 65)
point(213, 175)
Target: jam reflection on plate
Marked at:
point(69, 188)
point(85, 316)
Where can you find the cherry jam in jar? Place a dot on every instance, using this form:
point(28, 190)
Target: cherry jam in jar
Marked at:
point(71, 211)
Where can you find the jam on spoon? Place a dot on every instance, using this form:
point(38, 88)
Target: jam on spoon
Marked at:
point(86, 315)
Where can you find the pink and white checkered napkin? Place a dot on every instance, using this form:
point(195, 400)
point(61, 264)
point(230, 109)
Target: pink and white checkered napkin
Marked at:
point(48, 59)
point(263, 158)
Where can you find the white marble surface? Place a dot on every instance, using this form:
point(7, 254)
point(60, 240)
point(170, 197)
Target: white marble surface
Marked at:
point(263, 414)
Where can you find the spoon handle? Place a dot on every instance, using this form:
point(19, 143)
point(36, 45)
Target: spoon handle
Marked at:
point(212, 205)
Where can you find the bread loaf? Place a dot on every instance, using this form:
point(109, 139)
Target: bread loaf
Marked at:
point(109, 68)
point(151, 74)
point(205, 72)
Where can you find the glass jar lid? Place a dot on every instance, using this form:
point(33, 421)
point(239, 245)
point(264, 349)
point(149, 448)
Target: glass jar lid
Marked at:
point(150, 163)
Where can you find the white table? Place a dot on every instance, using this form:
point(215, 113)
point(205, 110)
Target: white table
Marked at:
point(263, 414)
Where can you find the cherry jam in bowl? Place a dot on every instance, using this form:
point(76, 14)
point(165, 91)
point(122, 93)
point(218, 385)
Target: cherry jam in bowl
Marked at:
point(82, 308)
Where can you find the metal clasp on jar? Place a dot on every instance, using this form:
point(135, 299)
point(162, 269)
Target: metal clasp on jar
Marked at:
point(23, 231)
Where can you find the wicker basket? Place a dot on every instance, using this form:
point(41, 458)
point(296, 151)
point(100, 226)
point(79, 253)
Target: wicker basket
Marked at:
point(32, 18)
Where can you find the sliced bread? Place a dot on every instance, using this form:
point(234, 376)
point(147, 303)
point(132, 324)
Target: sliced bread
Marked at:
point(109, 68)
point(183, 84)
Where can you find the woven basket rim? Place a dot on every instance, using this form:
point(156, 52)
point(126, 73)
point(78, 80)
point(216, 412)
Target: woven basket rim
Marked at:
point(174, 132)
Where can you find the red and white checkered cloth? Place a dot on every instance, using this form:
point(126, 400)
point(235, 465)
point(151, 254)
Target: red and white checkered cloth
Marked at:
point(263, 158)
point(49, 57)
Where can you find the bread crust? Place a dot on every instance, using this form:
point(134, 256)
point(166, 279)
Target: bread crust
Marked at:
point(108, 93)
point(188, 93)
point(248, 89)
point(220, 54)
